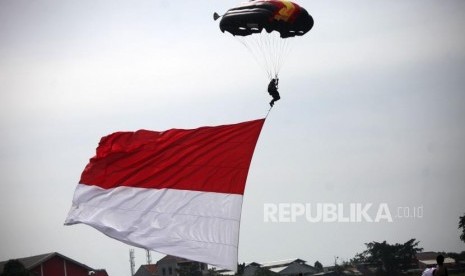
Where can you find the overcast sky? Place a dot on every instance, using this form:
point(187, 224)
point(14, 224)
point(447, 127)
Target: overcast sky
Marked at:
point(372, 111)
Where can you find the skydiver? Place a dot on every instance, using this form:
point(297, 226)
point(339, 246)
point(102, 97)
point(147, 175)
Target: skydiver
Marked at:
point(273, 91)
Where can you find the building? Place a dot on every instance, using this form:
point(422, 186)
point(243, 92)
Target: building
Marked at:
point(173, 266)
point(52, 264)
point(292, 267)
point(254, 269)
point(428, 259)
point(147, 270)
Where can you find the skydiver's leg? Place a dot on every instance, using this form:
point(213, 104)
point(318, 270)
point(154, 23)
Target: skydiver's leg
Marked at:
point(276, 97)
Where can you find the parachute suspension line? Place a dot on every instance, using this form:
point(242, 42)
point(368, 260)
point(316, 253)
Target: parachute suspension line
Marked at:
point(268, 49)
point(273, 42)
point(283, 49)
point(277, 49)
point(276, 42)
point(272, 48)
point(261, 50)
point(268, 53)
point(265, 44)
point(287, 47)
point(279, 54)
point(253, 46)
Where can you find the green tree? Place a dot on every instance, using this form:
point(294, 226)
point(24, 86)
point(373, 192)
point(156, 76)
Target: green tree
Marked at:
point(391, 259)
point(462, 226)
point(318, 266)
point(240, 269)
point(189, 269)
point(14, 268)
point(212, 272)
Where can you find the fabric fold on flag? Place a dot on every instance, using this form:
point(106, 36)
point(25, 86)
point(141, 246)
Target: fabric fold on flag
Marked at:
point(177, 192)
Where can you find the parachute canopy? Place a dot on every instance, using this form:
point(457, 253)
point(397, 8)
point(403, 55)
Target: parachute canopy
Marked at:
point(284, 17)
point(264, 28)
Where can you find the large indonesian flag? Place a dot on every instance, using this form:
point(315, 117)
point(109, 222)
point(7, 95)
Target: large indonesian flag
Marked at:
point(178, 192)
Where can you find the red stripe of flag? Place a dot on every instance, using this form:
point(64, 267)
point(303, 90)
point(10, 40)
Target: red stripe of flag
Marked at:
point(210, 159)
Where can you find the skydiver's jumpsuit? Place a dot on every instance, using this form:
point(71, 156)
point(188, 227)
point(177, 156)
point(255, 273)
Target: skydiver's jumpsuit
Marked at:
point(273, 91)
